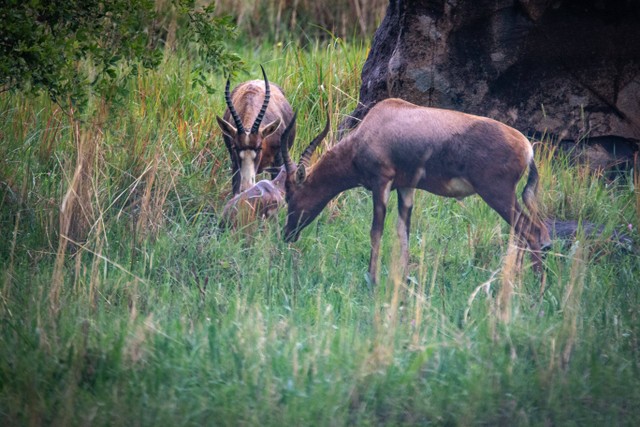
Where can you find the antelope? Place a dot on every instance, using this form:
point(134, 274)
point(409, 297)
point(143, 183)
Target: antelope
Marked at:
point(401, 146)
point(265, 198)
point(254, 150)
point(262, 200)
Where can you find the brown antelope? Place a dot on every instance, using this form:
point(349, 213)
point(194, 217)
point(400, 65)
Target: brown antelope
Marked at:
point(265, 198)
point(251, 151)
point(401, 146)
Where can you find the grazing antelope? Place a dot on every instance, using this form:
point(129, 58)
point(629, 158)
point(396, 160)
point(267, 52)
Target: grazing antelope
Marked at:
point(401, 146)
point(251, 151)
point(265, 198)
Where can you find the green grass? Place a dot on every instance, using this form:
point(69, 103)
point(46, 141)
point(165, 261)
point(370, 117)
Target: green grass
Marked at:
point(153, 317)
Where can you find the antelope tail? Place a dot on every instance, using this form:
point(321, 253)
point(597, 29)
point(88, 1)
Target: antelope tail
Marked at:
point(531, 189)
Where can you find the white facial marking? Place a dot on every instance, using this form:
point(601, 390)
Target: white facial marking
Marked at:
point(247, 169)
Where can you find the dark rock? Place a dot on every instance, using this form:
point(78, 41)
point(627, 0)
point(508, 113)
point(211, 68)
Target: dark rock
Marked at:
point(567, 68)
point(567, 230)
point(613, 155)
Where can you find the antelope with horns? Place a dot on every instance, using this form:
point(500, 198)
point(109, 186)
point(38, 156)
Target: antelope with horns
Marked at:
point(252, 151)
point(401, 146)
point(265, 198)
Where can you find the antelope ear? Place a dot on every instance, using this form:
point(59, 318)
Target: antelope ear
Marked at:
point(301, 174)
point(270, 128)
point(227, 128)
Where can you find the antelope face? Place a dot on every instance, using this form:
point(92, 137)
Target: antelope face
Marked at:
point(296, 218)
point(244, 146)
point(247, 149)
point(304, 204)
point(302, 209)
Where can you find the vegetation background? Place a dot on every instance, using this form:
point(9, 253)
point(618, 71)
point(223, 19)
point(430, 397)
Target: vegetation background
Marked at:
point(123, 304)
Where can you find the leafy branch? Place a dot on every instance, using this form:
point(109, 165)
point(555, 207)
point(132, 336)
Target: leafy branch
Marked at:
point(74, 49)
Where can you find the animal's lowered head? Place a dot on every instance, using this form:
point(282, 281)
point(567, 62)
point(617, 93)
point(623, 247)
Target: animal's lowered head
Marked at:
point(298, 217)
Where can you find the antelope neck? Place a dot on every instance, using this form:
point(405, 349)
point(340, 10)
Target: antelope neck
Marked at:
point(333, 174)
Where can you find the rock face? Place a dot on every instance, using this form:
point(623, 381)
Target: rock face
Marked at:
point(560, 67)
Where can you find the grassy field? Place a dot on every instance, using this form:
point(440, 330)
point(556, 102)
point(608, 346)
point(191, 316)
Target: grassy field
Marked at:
point(122, 304)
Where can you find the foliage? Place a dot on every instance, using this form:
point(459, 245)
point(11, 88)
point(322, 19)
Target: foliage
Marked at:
point(71, 49)
point(209, 32)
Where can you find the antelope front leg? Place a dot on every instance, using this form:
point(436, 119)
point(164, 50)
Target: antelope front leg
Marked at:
point(380, 199)
point(405, 206)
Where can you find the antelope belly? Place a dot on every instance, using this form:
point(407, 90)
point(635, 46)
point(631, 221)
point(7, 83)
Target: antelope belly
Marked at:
point(458, 188)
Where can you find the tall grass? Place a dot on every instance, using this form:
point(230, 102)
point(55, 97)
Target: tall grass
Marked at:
point(279, 19)
point(146, 314)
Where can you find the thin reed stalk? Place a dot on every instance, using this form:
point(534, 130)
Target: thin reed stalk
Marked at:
point(571, 304)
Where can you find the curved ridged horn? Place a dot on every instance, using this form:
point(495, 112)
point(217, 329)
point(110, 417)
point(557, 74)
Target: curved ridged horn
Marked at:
point(284, 145)
point(267, 95)
point(306, 155)
point(234, 114)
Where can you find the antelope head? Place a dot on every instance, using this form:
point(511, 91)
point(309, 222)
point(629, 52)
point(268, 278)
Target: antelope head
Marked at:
point(300, 215)
point(261, 201)
point(245, 146)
